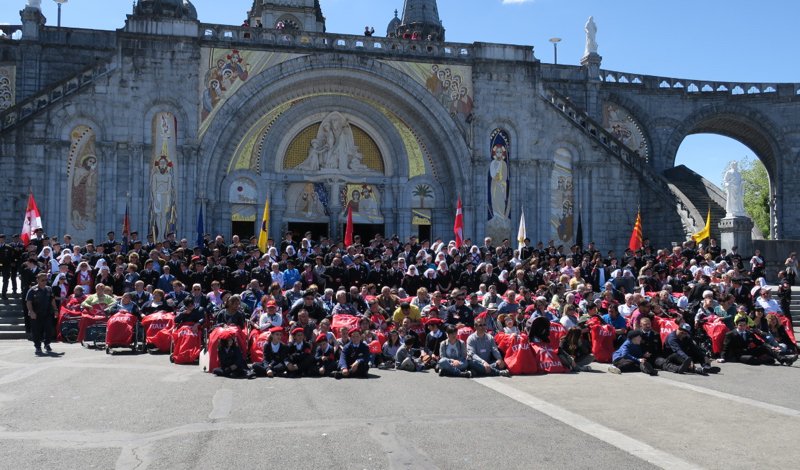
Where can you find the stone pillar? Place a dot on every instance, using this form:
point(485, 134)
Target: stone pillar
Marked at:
point(544, 203)
point(335, 210)
point(738, 232)
point(32, 21)
point(591, 65)
point(277, 211)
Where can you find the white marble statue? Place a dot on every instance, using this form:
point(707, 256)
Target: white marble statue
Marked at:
point(734, 190)
point(37, 4)
point(334, 148)
point(591, 37)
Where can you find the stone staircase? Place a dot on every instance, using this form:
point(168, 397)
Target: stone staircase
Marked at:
point(30, 107)
point(618, 149)
point(12, 322)
point(700, 194)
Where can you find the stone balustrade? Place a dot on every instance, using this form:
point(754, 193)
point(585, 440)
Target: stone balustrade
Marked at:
point(686, 85)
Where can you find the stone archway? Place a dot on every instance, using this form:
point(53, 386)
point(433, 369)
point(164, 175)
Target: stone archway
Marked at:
point(330, 74)
point(748, 127)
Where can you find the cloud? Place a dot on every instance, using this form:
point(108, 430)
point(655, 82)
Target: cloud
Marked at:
point(512, 2)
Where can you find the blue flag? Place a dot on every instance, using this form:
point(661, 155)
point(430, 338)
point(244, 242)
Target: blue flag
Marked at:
point(200, 228)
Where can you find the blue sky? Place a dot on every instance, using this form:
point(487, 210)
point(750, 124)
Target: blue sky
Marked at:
point(732, 40)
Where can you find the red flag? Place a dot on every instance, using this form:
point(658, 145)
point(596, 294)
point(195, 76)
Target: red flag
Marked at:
point(348, 231)
point(637, 240)
point(458, 227)
point(33, 221)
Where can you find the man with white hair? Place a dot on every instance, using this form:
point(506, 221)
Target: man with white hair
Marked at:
point(766, 302)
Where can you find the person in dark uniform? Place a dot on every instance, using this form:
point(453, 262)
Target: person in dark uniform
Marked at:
point(16, 261)
point(6, 258)
point(276, 355)
point(231, 360)
point(326, 356)
point(354, 358)
point(41, 310)
point(301, 360)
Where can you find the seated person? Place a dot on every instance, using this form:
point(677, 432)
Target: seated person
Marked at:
point(681, 353)
point(482, 353)
point(389, 350)
point(778, 339)
point(619, 323)
point(405, 358)
point(300, 360)
point(741, 345)
point(276, 355)
point(453, 356)
point(354, 358)
point(269, 316)
point(325, 356)
point(434, 337)
point(407, 310)
point(125, 304)
point(575, 350)
point(651, 341)
point(187, 313)
point(100, 297)
point(630, 357)
point(231, 360)
point(157, 303)
point(232, 313)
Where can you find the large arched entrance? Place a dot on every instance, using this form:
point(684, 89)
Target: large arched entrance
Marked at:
point(322, 134)
point(747, 127)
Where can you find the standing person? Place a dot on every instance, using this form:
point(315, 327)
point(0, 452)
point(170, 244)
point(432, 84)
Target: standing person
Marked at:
point(6, 263)
point(41, 310)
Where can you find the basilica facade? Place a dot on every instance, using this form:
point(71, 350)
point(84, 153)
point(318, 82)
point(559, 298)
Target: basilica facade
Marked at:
point(168, 116)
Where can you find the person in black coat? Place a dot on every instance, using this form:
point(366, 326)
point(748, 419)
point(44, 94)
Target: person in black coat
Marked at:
point(326, 356)
point(651, 341)
point(300, 361)
point(741, 345)
point(231, 360)
point(276, 356)
point(189, 314)
point(354, 358)
point(682, 354)
point(231, 314)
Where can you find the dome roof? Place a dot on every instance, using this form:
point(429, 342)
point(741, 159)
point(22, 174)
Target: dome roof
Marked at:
point(393, 25)
point(181, 9)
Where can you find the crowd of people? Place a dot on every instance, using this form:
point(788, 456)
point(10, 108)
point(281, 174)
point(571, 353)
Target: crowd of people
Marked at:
point(463, 311)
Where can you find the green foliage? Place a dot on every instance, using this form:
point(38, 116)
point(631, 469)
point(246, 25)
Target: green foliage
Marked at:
point(756, 192)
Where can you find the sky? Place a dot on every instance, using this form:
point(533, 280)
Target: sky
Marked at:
point(730, 40)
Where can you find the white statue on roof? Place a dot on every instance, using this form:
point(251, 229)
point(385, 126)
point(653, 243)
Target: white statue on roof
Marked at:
point(37, 4)
point(591, 37)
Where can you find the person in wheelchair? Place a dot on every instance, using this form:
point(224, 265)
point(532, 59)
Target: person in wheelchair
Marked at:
point(232, 313)
point(189, 314)
point(125, 304)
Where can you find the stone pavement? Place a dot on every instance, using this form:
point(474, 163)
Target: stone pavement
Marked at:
point(90, 410)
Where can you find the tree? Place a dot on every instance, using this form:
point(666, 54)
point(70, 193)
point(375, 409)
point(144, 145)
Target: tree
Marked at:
point(422, 191)
point(756, 193)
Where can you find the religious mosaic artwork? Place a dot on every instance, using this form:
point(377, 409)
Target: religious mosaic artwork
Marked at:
point(365, 201)
point(82, 188)
point(451, 85)
point(334, 147)
point(308, 201)
point(499, 224)
point(621, 123)
point(163, 203)
point(8, 80)
point(563, 198)
point(422, 200)
point(224, 71)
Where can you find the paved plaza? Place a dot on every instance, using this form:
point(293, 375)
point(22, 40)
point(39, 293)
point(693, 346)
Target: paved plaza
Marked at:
point(86, 409)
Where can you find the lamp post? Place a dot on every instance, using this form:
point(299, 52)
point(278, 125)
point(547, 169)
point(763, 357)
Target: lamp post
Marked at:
point(555, 42)
point(60, 2)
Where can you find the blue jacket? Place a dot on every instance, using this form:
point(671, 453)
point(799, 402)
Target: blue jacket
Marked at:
point(628, 350)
